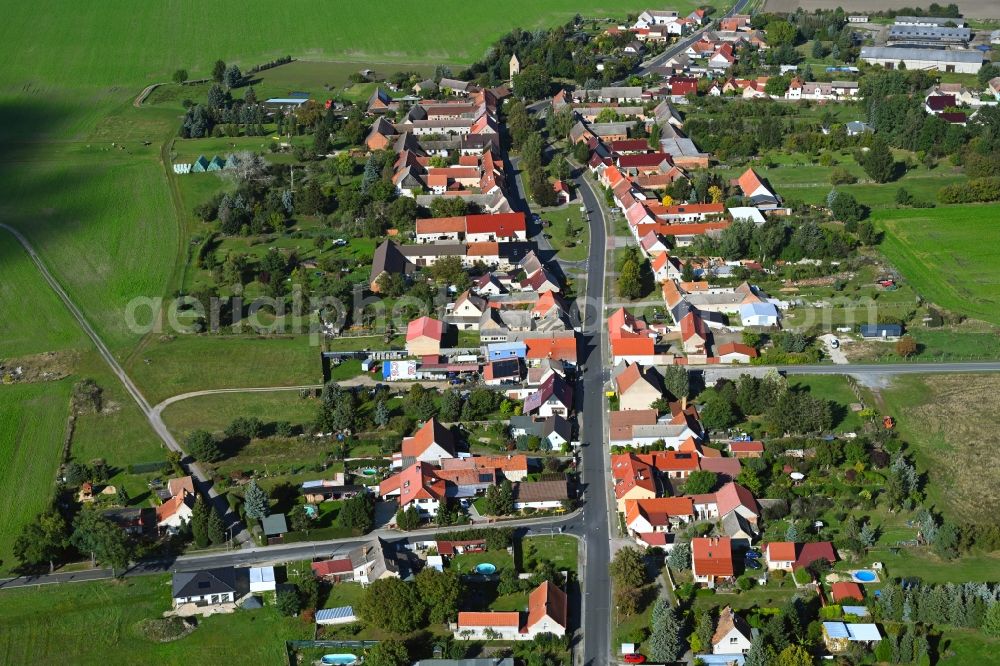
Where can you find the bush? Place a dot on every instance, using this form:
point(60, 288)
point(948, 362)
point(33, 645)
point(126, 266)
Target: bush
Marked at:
point(841, 176)
point(973, 191)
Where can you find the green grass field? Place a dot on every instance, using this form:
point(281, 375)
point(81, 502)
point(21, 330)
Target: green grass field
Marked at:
point(948, 420)
point(179, 365)
point(32, 426)
point(835, 389)
point(126, 45)
point(214, 412)
point(22, 290)
point(798, 177)
point(946, 254)
point(96, 624)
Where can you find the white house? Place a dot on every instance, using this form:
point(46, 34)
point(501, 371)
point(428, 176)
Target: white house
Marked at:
point(210, 587)
point(758, 314)
point(548, 613)
point(732, 634)
point(540, 495)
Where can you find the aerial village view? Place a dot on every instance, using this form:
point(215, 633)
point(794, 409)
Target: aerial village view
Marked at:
point(529, 334)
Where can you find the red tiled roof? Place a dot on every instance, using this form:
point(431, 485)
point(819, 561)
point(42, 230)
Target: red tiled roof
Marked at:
point(332, 567)
point(562, 349)
point(712, 556)
point(489, 619)
point(502, 224)
point(431, 433)
point(817, 550)
point(424, 327)
point(547, 600)
point(780, 551)
point(439, 225)
point(746, 447)
point(844, 590)
point(735, 348)
point(733, 495)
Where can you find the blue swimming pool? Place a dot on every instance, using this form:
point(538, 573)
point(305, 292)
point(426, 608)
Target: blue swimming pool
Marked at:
point(865, 576)
point(339, 659)
point(486, 568)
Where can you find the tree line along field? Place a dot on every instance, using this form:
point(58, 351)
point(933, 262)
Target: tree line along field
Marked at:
point(948, 255)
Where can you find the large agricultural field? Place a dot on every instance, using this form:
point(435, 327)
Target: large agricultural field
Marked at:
point(948, 255)
point(32, 426)
point(949, 421)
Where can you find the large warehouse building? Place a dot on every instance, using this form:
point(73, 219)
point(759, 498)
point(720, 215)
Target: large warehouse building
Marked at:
point(913, 35)
point(964, 62)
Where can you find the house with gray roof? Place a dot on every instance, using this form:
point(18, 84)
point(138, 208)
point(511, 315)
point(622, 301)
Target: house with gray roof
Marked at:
point(210, 587)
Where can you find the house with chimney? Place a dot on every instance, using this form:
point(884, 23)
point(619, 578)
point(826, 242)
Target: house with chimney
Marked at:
point(548, 613)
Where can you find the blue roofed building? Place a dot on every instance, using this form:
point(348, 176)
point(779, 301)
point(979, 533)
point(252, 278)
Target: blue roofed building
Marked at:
point(838, 636)
point(497, 351)
point(340, 615)
point(758, 314)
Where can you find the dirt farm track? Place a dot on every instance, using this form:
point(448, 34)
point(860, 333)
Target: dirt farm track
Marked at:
point(972, 9)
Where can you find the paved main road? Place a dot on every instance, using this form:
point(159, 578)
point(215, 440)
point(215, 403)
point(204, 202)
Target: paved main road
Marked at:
point(571, 524)
point(155, 422)
point(648, 66)
point(596, 611)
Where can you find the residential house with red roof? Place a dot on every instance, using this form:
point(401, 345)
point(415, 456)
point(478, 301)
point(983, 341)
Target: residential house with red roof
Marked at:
point(746, 449)
point(637, 387)
point(514, 467)
point(634, 479)
point(694, 334)
point(712, 560)
point(789, 556)
point(423, 337)
point(551, 348)
point(735, 352)
point(502, 226)
point(418, 485)
point(176, 511)
point(756, 189)
point(431, 443)
point(548, 613)
point(629, 337)
point(846, 591)
point(661, 515)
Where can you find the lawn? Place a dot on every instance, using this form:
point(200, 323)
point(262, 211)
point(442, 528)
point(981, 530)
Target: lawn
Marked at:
point(835, 389)
point(96, 623)
point(170, 366)
point(215, 412)
point(22, 289)
point(560, 550)
point(32, 425)
point(942, 252)
point(949, 421)
point(466, 563)
point(569, 232)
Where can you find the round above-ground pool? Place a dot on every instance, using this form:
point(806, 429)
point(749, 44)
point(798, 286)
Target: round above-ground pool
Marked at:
point(339, 659)
point(486, 568)
point(864, 576)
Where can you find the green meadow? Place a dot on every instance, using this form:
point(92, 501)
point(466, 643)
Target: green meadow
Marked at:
point(98, 624)
point(948, 254)
point(32, 426)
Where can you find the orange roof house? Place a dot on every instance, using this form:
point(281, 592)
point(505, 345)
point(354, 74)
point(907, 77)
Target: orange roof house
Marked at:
point(661, 514)
point(634, 479)
point(417, 483)
point(548, 610)
point(429, 444)
point(712, 559)
point(629, 336)
point(556, 349)
point(637, 387)
point(423, 337)
point(845, 591)
point(694, 335)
